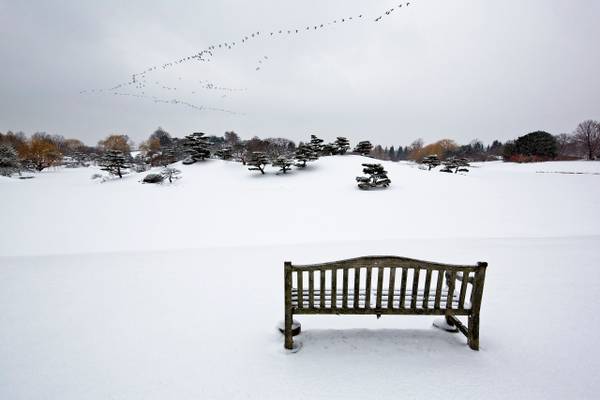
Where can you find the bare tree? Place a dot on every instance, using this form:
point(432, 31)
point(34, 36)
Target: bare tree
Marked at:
point(588, 136)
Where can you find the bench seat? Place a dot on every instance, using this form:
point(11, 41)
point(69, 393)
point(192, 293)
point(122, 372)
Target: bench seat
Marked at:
point(420, 304)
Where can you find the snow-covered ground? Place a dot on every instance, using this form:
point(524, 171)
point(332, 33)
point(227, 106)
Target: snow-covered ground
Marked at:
point(223, 204)
point(120, 290)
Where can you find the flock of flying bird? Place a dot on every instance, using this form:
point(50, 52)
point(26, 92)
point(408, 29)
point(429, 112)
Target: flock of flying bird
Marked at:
point(140, 80)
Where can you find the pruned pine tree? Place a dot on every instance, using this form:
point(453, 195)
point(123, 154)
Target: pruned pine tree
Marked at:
point(328, 149)
point(316, 144)
point(377, 177)
point(431, 161)
point(304, 154)
point(170, 173)
point(342, 145)
point(283, 163)
point(197, 148)
point(168, 156)
point(224, 154)
point(463, 165)
point(455, 165)
point(258, 162)
point(115, 163)
point(9, 160)
point(363, 148)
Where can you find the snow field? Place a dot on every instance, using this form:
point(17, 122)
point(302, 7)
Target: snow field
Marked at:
point(127, 291)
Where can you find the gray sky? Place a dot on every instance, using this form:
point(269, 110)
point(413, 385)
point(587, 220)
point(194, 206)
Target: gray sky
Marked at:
point(461, 69)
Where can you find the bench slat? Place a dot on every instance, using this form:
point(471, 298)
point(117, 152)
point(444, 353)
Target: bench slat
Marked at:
point(345, 289)
point(438, 289)
point(334, 288)
point(427, 289)
point(300, 291)
point(403, 287)
point(321, 286)
point(390, 297)
point(368, 289)
point(311, 289)
point(379, 286)
point(415, 288)
point(356, 286)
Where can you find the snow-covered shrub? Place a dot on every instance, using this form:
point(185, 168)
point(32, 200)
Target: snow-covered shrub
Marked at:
point(153, 178)
point(170, 173)
point(139, 168)
point(96, 176)
point(188, 160)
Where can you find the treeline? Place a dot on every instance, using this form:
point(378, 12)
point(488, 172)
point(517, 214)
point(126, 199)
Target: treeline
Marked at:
point(19, 152)
point(583, 143)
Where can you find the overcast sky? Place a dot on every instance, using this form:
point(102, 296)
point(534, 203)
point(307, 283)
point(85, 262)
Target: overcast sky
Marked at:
point(460, 69)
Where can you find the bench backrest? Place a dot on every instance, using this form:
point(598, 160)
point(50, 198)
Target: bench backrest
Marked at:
point(384, 285)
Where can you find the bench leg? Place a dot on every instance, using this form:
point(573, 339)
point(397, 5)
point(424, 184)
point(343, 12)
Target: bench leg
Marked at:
point(473, 337)
point(289, 342)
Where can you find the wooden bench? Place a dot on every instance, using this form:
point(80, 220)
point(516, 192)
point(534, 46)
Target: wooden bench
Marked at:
point(385, 286)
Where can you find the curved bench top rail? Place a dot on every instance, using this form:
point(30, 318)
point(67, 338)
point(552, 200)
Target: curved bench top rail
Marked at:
point(383, 261)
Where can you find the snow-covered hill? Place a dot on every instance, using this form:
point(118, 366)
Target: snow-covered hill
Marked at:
point(223, 204)
point(120, 290)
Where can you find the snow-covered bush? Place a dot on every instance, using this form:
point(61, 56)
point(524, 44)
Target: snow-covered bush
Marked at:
point(170, 173)
point(153, 178)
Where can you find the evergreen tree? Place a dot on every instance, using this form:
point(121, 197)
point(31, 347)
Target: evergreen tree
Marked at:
point(377, 177)
point(401, 154)
point(168, 156)
point(197, 147)
point(540, 144)
point(224, 153)
point(9, 160)
point(496, 148)
point(304, 154)
point(114, 162)
point(316, 144)
point(363, 148)
point(283, 163)
point(431, 161)
point(455, 165)
point(342, 145)
point(392, 154)
point(258, 162)
point(328, 149)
